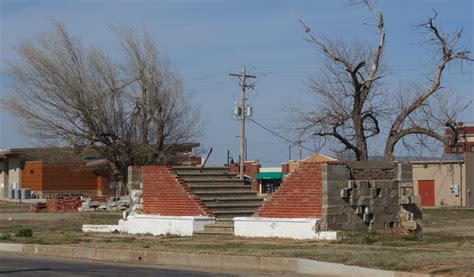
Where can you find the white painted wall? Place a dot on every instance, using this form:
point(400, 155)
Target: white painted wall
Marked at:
point(3, 179)
point(155, 225)
point(163, 225)
point(99, 228)
point(14, 172)
point(294, 228)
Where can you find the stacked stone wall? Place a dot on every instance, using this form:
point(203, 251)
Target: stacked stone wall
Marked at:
point(362, 195)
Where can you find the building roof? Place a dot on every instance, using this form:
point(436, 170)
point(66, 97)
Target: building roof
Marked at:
point(318, 157)
point(49, 154)
point(270, 169)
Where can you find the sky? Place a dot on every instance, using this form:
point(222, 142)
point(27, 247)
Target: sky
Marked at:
point(207, 39)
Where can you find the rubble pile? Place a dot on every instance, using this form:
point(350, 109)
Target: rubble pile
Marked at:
point(99, 198)
point(38, 207)
point(63, 204)
point(137, 202)
point(104, 203)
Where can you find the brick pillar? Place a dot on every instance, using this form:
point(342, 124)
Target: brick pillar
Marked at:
point(165, 194)
point(299, 196)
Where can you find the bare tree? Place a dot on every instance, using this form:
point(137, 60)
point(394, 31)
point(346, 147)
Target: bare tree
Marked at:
point(134, 111)
point(352, 105)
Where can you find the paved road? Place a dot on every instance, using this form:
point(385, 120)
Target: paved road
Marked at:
point(22, 265)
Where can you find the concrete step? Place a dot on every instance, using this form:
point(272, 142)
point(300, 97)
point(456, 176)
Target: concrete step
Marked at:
point(226, 198)
point(207, 175)
point(232, 200)
point(195, 169)
point(233, 206)
point(217, 181)
point(225, 194)
point(225, 221)
point(213, 233)
point(218, 188)
point(234, 213)
point(227, 228)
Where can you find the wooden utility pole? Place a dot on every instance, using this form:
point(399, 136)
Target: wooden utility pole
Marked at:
point(243, 84)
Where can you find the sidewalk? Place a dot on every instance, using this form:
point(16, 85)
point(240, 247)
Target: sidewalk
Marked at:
point(221, 262)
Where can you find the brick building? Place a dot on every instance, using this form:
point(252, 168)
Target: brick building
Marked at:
point(465, 142)
point(448, 180)
point(63, 170)
point(445, 181)
point(13, 162)
point(45, 178)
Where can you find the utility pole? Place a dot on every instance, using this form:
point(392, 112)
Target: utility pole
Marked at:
point(299, 142)
point(243, 84)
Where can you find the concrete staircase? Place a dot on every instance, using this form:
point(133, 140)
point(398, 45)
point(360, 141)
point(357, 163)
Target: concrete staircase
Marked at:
point(223, 193)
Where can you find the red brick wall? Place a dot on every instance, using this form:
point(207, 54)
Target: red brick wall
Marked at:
point(165, 194)
point(72, 177)
point(103, 186)
point(285, 168)
point(300, 194)
point(32, 176)
point(251, 169)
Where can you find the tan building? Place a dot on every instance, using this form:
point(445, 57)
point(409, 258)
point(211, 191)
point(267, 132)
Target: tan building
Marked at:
point(316, 157)
point(448, 181)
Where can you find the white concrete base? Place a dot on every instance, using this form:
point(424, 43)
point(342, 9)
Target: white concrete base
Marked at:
point(167, 225)
point(294, 228)
point(88, 228)
point(155, 225)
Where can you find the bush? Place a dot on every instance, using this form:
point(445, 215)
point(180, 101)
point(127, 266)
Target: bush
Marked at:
point(5, 237)
point(24, 232)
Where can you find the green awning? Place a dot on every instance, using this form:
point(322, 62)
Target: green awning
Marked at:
point(269, 176)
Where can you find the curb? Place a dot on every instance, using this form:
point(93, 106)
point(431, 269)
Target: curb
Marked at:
point(212, 261)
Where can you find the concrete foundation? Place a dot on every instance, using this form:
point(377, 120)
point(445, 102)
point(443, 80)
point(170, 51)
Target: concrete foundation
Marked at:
point(99, 228)
point(294, 228)
point(155, 225)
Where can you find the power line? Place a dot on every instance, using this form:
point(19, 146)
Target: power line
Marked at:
point(280, 136)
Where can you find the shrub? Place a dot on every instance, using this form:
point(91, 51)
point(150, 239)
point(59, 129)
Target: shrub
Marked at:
point(5, 237)
point(24, 232)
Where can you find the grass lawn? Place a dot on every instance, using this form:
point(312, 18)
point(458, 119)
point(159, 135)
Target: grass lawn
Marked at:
point(447, 245)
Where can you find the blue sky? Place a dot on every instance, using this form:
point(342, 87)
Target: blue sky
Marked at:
point(205, 40)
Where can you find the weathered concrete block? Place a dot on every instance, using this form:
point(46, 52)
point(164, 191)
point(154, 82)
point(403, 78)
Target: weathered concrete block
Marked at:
point(239, 262)
point(278, 264)
point(174, 258)
point(11, 247)
point(344, 193)
point(112, 255)
point(137, 256)
point(151, 257)
point(84, 252)
point(203, 260)
point(386, 184)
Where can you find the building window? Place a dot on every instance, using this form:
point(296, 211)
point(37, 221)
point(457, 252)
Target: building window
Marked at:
point(32, 171)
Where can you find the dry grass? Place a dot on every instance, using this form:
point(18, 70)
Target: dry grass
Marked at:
point(446, 247)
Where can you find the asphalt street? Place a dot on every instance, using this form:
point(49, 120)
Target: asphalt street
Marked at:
point(22, 265)
point(42, 266)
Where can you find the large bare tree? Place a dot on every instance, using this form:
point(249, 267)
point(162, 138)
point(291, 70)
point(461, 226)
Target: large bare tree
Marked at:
point(353, 105)
point(132, 111)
